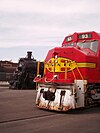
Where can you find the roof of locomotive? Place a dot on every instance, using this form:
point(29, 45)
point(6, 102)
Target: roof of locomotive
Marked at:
point(81, 36)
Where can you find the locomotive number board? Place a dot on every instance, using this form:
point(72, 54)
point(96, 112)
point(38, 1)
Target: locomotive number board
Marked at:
point(85, 36)
point(68, 39)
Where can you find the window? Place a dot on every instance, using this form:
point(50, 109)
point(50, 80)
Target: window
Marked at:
point(70, 44)
point(92, 45)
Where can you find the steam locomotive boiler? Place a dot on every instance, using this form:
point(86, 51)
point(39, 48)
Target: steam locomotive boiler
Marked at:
point(26, 71)
point(71, 76)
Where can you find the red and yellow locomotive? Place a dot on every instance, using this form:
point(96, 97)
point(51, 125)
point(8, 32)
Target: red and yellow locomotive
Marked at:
point(71, 76)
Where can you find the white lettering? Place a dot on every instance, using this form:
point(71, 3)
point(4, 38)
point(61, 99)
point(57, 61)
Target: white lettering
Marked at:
point(84, 36)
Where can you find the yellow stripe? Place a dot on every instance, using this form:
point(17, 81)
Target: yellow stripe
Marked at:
point(89, 65)
point(69, 66)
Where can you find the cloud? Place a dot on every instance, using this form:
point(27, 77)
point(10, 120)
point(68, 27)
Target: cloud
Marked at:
point(45, 22)
point(50, 7)
point(17, 52)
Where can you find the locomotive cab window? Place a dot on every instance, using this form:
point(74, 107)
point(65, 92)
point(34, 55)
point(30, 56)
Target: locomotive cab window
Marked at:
point(70, 44)
point(92, 45)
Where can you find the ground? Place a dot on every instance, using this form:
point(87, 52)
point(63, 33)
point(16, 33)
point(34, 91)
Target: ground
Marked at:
point(19, 114)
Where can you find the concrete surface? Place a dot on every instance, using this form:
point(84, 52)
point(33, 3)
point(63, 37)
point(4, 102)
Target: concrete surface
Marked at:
point(18, 114)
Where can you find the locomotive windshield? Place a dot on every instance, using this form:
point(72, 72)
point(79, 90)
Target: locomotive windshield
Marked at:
point(92, 45)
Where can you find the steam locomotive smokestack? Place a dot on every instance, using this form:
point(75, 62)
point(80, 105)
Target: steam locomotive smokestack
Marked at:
point(29, 55)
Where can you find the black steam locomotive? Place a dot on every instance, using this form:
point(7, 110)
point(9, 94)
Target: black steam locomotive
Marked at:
point(26, 71)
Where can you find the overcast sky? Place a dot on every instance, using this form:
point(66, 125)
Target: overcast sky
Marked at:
point(29, 24)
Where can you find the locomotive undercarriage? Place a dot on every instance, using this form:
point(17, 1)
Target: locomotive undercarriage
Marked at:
point(92, 95)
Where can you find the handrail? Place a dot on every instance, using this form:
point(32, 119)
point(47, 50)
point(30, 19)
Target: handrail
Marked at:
point(38, 65)
point(49, 80)
point(38, 79)
point(65, 70)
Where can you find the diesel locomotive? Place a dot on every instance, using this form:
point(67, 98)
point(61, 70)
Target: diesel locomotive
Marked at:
point(71, 77)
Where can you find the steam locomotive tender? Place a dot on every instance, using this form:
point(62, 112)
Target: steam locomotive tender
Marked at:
point(71, 76)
